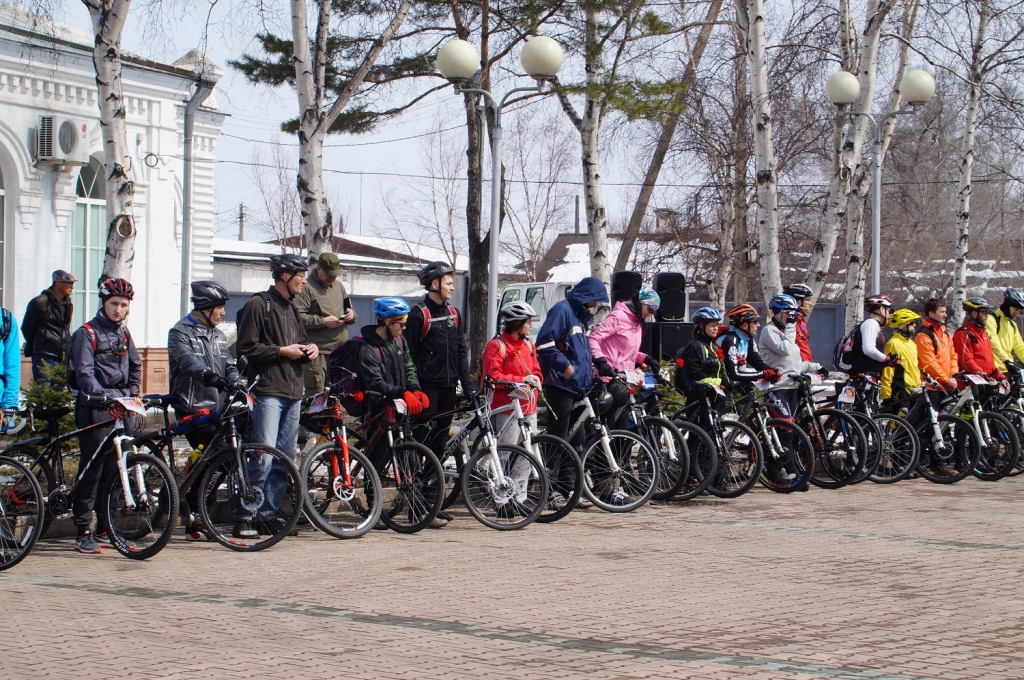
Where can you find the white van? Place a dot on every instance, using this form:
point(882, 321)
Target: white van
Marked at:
point(539, 295)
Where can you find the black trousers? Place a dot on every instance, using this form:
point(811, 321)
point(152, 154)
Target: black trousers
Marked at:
point(560, 404)
point(435, 435)
point(99, 472)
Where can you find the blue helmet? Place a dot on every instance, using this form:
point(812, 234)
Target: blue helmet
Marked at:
point(649, 297)
point(706, 314)
point(783, 303)
point(387, 307)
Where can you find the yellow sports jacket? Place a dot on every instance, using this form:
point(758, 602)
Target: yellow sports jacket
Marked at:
point(1006, 340)
point(898, 381)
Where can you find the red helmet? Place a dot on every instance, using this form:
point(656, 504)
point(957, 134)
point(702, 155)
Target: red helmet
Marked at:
point(878, 301)
point(116, 288)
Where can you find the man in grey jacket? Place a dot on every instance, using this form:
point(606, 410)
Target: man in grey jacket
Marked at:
point(779, 348)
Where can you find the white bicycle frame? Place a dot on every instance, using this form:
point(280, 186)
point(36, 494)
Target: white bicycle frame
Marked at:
point(968, 399)
point(606, 442)
point(518, 419)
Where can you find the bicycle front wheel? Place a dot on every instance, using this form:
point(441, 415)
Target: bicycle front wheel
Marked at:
point(952, 454)
point(840, 445)
point(1000, 447)
point(1016, 418)
point(412, 487)
point(142, 516)
point(703, 460)
point(565, 476)
point(22, 510)
point(669, 444)
point(739, 464)
point(898, 451)
point(273, 492)
point(788, 456)
point(340, 508)
point(506, 494)
point(872, 437)
point(621, 479)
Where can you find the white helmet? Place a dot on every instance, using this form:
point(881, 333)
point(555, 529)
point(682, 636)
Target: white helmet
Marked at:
point(516, 311)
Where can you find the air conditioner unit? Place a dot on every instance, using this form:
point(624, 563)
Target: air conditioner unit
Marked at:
point(61, 141)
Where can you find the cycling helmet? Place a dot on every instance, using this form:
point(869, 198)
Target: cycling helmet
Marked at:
point(1014, 298)
point(516, 311)
point(649, 297)
point(208, 295)
point(798, 291)
point(742, 314)
point(877, 302)
point(434, 270)
point(782, 303)
point(287, 263)
point(116, 288)
point(976, 304)
point(706, 314)
point(602, 401)
point(902, 316)
point(388, 307)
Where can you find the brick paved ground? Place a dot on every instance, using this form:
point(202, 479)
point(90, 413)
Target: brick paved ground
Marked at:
point(907, 581)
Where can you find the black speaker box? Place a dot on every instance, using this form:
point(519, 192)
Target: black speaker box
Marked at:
point(625, 285)
point(671, 287)
point(664, 338)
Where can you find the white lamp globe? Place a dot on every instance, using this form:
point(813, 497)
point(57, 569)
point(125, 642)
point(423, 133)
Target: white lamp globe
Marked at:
point(917, 87)
point(458, 60)
point(842, 88)
point(542, 57)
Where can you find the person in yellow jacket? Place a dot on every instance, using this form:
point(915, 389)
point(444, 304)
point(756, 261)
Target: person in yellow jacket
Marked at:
point(900, 380)
point(1002, 329)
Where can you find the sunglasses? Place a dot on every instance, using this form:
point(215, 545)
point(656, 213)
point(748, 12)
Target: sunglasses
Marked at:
point(403, 324)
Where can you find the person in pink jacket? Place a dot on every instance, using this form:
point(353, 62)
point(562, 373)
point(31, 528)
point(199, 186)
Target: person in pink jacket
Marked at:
point(615, 344)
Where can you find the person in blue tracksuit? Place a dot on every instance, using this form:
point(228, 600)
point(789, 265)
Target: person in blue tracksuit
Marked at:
point(11, 376)
point(563, 350)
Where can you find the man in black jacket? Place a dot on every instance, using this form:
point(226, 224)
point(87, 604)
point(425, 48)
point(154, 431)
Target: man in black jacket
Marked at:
point(437, 341)
point(47, 323)
point(273, 341)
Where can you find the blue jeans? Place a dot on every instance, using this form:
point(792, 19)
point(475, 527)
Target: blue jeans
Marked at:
point(275, 422)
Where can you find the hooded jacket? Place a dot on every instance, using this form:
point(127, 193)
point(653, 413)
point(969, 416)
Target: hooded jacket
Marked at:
point(935, 353)
point(618, 338)
point(898, 381)
point(11, 375)
point(47, 326)
point(192, 349)
point(562, 340)
point(803, 338)
point(1006, 340)
point(316, 301)
point(261, 334)
point(974, 351)
point(780, 351)
point(113, 369)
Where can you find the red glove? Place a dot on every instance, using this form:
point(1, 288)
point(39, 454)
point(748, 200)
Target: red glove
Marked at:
point(424, 399)
point(720, 354)
point(413, 403)
point(771, 375)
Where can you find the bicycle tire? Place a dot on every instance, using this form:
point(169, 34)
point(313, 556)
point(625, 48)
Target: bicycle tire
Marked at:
point(222, 484)
point(1016, 418)
point(507, 505)
point(739, 466)
point(34, 459)
point(565, 475)
point(872, 435)
point(332, 508)
point(143, 531)
point(669, 444)
point(953, 463)
point(22, 511)
point(703, 460)
point(629, 488)
point(839, 444)
point(415, 494)
point(1000, 453)
point(797, 457)
point(899, 449)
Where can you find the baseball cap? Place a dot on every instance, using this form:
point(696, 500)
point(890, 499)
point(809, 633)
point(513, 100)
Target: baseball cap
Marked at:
point(329, 264)
point(61, 276)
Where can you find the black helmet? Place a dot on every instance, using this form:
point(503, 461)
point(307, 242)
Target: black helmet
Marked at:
point(287, 263)
point(434, 270)
point(601, 400)
point(798, 291)
point(208, 295)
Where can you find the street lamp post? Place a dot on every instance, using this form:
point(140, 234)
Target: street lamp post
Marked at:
point(842, 89)
point(459, 62)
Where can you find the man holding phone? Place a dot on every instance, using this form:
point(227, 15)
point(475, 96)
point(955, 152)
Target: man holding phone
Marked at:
point(326, 313)
point(273, 341)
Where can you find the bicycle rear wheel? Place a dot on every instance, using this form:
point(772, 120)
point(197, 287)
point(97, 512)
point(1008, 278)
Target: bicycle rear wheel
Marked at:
point(872, 437)
point(142, 518)
point(952, 459)
point(740, 464)
point(338, 508)
point(33, 459)
point(1015, 418)
point(627, 488)
point(224, 499)
point(898, 451)
point(703, 460)
point(1000, 448)
point(840, 445)
point(22, 511)
point(669, 444)
point(565, 476)
point(412, 487)
point(506, 496)
point(788, 456)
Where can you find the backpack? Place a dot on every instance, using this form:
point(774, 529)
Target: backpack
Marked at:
point(427, 320)
point(343, 368)
point(842, 353)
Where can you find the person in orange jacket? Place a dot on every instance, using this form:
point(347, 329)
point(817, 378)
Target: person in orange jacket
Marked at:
point(972, 342)
point(935, 352)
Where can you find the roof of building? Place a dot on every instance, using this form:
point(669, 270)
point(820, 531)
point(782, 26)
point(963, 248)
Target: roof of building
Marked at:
point(384, 248)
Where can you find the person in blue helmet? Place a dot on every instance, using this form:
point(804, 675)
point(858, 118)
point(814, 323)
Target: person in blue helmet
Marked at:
point(780, 349)
point(385, 363)
point(563, 351)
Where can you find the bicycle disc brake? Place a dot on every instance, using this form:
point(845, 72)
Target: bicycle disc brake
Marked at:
point(340, 492)
point(252, 500)
point(504, 489)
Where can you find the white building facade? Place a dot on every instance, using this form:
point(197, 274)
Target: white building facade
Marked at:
point(53, 214)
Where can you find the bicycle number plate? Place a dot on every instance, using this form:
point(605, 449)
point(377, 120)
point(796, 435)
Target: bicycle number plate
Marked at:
point(977, 379)
point(319, 402)
point(762, 385)
point(132, 404)
point(720, 390)
point(848, 395)
point(401, 407)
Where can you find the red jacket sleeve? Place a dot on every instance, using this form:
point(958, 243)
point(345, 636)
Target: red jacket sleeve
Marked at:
point(534, 364)
point(965, 353)
point(494, 366)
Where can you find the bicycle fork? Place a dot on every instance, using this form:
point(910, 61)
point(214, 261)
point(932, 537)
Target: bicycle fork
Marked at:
point(122, 468)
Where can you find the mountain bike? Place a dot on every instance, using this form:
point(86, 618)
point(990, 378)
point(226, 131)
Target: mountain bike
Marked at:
point(135, 496)
point(665, 437)
point(22, 511)
point(788, 454)
point(839, 438)
point(1011, 407)
point(997, 438)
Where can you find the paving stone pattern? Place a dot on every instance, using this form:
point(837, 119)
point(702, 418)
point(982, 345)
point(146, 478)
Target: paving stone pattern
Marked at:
point(906, 582)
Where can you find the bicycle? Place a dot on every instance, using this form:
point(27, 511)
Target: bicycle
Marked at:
point(135, 496)
point(22, 512)
point(1011, 407)
point(788, 454)
point(997, 439)
point(664, 436)
point(839, 438)
point(220, 477)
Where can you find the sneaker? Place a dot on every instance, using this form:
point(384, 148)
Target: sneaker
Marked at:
point(619, 497)
point(103, 540)
point(438, 523)
point(196, 532)
point(380, 526)
point(556, 501)
point(274, 527)
point(445, 516)
point(783, 476)
point(244, 530)
point(87, 545)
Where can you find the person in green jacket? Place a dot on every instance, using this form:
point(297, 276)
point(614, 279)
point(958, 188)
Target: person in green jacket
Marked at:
point(326, 313)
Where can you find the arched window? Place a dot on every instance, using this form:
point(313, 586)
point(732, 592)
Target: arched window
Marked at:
point(88, 239)
point(3, 212)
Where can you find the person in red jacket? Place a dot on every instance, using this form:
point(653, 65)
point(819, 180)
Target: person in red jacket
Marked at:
point(804, 297)
point(512, 356)
point(972, 343)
